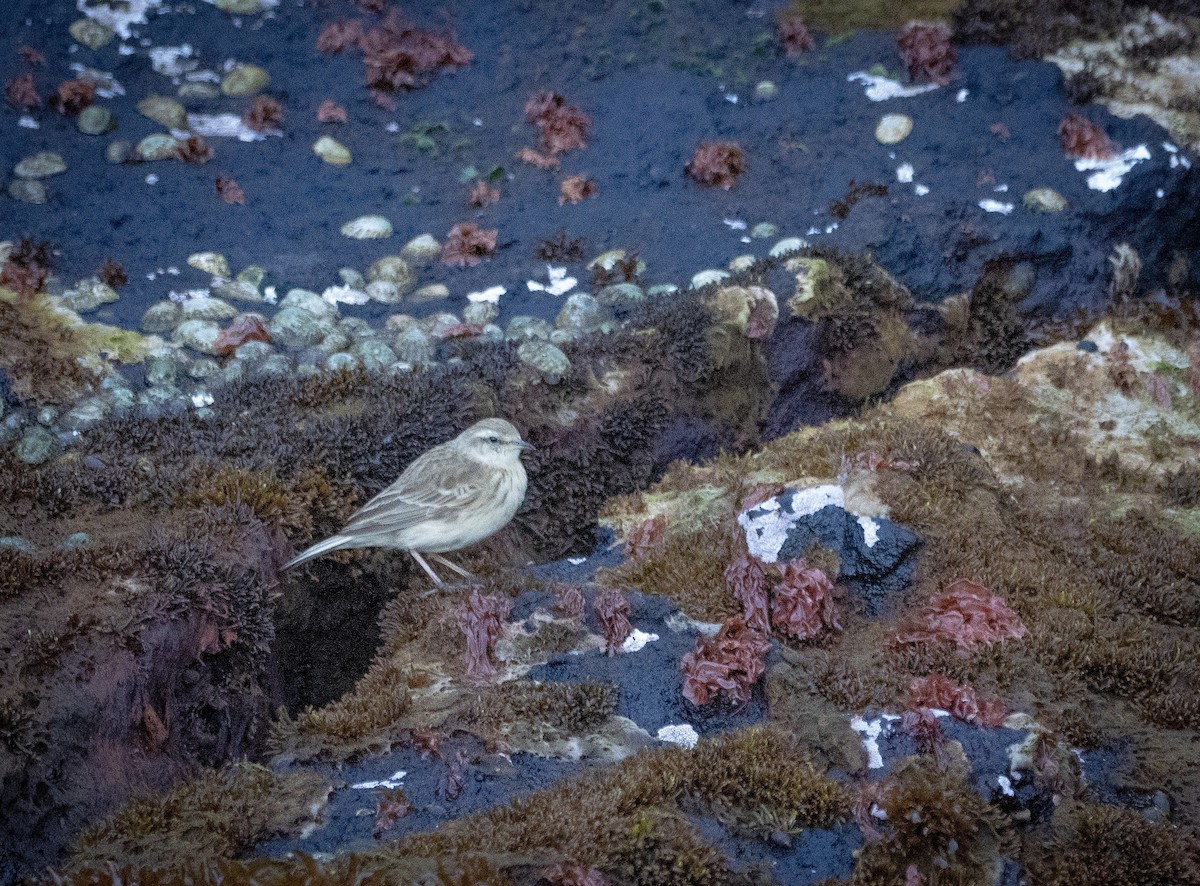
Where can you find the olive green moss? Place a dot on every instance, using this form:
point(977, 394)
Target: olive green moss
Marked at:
point(841, 16)
point(216, 816)
point(543, 711)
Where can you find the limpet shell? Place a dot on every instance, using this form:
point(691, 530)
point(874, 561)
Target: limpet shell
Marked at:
point(893, 128)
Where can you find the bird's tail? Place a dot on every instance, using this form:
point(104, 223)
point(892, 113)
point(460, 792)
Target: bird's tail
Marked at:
point(333, 543)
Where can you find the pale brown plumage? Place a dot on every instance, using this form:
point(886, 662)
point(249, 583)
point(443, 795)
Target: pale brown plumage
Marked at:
point(451, 496)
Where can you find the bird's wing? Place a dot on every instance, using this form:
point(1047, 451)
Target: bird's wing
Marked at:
point(440, 484)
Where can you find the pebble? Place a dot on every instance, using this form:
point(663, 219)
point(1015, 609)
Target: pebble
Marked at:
point(608, 261)
point(707, 276)
point(244, 79)
point(91, 33)
point(161, 371)
point(210, 262)
point(252, 351)
point(208, 308)
point(393, 269)
point(384, 291)
point(332, 151)
point(75, 540)
point(84, 415)
point(1044, 200)
point(742, 263)
point(43, 164)
point(582, 314)
point(367, 227)
point(414, 346)
point(199, 335)
point(240, 7)
point(89, 294)
point(203, 368)
point(374, 354)
point(294, 328)
point(94, 120)
point(27, 191)
point(341, 360)
point(765, 91)
point(337, 340)
point(158, 146)
point(117, 151)
point(36, 445)
point(431, 292)
point(422, 250)
point(523, 327)
point(480, 312)
point(786, 245)
point(162, 316)
point(309, 301)
point(893, 128)
point(163, 111)
point(764, 230)
point(623, 294)
point(551, 363)
point(276, 364)
point(198, 92)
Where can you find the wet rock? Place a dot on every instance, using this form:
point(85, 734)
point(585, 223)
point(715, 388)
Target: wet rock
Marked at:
point(431, 292)
point(199, 335)
point(332, 151)
point(1044, 200)
point(582, 314)
point(27, 191)
point(422, 251)
point(786, 245)
point(244, 79)
point(621, 295)
point(203, 368)
point(523, 327)
point(415, 347)
point(705, 277)
point(393, 269)
point(162, 316)
point(893, 128)
point(207, 308)
point(88, 295)
point(551, 363)
point(337, 340)
point(210, 263)
point(608, 261)
point(341, 360)
point(252, 351)
point(43, 164)
point(161, 370)
point(36, 445)
point(307, 300)
point(367, 227)
point(385, 292)
point(164, 111)
point(158, 146)
point(276, 364)
point(481, 312)
point(740, 263)
point(374, 354)
point(294, 328)
point(198, 92)
point(439, 324)
point(765, 91)
point(764, 230)
point(240, 7)
point(117, 151)
point(85, 414)
point(94, 120)
point(91, 33)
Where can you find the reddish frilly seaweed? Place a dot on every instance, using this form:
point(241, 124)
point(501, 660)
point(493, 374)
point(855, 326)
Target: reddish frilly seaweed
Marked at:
point(72, 96)
point(745, 580)
point(31, 56)
point(725, 666)
point(717, 164)
point(243, 328)
point(576, 189)
point(398, 55)
point(20, 92)
point(112, 274)
point(940, 692)
point(468, 244)
point(793, 35)
point(965, 612)
point(338, 36)
point(482, 194)
point(561, 127)
point(612, 610)
point(27, 267)
point(646, 536)
point(193, 149)
point(1083, 139)
point(481, 618)
point(569, 602)
point(331, 112)
point(264, 113)
point(927, 53)
point(802, 604)
point(393, 805)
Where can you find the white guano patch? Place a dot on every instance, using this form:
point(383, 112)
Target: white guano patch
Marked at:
point(225, 126)
point(682, 734)
point(491, 295)
point(870, 731)
point(904, 173)
point(880, 89)
point(1107, 174)
point(637, 640)
point(996, 206)
point(131, 12)
point(392, 781)
point(559, 283)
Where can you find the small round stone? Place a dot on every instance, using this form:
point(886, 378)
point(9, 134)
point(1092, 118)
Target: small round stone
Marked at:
point(162, 316)
point(414, 346)
point(523, 327)
point(207, 308)
point(27, 191)
point(36, 445)
point(623, 294)
point(311, 302)
point(742, 263)
point(240, 7)
point(91, 33)
point(710, 275)
point(893, 128)
point(384, 291)
point(581, 314)
point(158, 146)
point(89, 294)
point(550, 362)
point(481, 312)
point(431, 292)
point(341, 360)
point(43, 164)
point(765, 91)
point(367, 227)
point(164, 111)
point(337, 340)
point(764, 230)
point(394, 269)
point(374, 354)
point(293, 329)
point(244, 79)
point(94, 120)
point(786, 245)
point(85, 414)
point(199, 335)
point(332, 151)
point(422, 250)
point(117, 151)
point(1044, 200)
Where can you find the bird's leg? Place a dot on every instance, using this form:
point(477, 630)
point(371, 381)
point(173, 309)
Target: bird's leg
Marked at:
point(450, 565)
point(428, 571)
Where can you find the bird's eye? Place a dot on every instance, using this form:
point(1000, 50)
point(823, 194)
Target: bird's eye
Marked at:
point(493, 439)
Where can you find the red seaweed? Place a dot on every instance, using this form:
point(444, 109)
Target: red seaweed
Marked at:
point(965, 612)
point(725, 666)
point(717, 164)
point(481, 618)
point(612, 615)
point(927, 53)
point(802, 604)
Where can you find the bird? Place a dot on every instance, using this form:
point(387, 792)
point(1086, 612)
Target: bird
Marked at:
point(451, 496)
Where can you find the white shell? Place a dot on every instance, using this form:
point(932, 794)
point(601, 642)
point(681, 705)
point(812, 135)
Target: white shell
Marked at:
point(367, 227)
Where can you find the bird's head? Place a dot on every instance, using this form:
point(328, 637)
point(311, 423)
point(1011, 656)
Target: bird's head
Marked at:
point(493, 441)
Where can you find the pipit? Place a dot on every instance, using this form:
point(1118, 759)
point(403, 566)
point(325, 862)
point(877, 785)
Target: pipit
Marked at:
point(452, 496)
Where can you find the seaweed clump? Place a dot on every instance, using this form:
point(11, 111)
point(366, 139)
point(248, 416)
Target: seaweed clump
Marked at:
point(927, 53)
point(467, 245)
point(717, 164)
point(725, 666)
point(1082, 139)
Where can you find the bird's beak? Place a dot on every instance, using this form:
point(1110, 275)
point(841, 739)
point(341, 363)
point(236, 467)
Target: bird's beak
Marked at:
point(521, 444)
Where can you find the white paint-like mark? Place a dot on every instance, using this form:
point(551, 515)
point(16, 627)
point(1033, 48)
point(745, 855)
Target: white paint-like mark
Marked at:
point(270, 296)
point(392, 781)
point(1108, 173)
point(920, 190)
point(731, 98)
point(904, 173)
point(870, 528)
point(559, 283)
point(961, 95)
point(1160, 193)
point(575, 561)
point(345, 295)
point(995, 206)
point(202, 398)
point(172, 61)
point(1000, 189)
point(1170, 148)
point(491, 295)
point(681, 734)
point(637, 640)
point(226, 126)
point(880, 89)
point(735, 223)
point(119, 16)
point(870, 731)
point(1005, 786)
point(28, 122)
point(152, 179)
